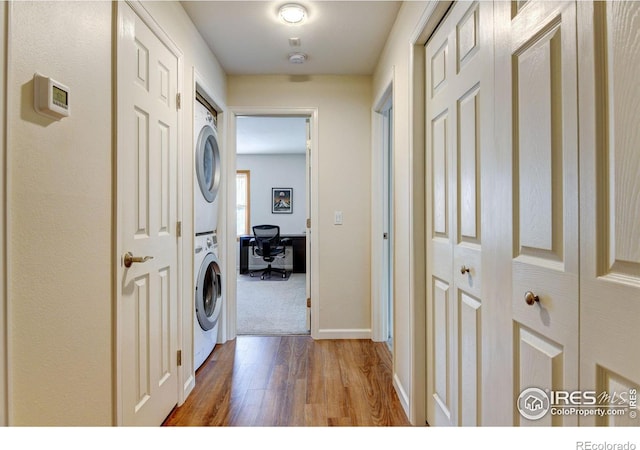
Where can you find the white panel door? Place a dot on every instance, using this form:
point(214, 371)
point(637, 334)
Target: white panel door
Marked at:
point(459, 91)
point(610, 207)
point(538, 105)
point(147, 214)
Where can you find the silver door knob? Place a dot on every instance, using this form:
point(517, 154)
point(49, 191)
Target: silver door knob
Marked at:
point(530, 298)
point(464, 269)
point(129, 259)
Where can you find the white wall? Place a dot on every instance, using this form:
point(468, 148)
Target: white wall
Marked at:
point(344, 159)
point(269, 171)
point(396, 62)
point(60, 208)
point(59, 218)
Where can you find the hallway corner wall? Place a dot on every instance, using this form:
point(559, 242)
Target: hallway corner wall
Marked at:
point(59, 217)
point(398, 58)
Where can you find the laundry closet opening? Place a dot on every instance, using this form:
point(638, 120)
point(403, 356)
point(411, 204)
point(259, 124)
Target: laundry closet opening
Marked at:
point(272, 207)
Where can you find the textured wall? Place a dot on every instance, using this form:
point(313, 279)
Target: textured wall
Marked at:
point(59, 218)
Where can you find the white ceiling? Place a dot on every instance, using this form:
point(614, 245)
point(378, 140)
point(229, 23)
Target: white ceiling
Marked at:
point(271, 135)
point(339, 37)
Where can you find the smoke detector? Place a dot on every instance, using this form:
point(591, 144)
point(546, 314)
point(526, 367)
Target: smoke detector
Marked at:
point(297, 58)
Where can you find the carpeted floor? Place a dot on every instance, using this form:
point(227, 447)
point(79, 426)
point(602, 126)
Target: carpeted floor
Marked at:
point(272, 307)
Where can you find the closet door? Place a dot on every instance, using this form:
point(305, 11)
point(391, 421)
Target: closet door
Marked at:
point(537, 123)
point(610, 207)
point(459, 130)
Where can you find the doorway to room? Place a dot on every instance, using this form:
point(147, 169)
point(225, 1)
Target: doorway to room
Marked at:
point(387, 219)
point(272, 189)
point(382, 220)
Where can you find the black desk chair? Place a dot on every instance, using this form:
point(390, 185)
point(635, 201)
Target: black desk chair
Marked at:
point(267, 244)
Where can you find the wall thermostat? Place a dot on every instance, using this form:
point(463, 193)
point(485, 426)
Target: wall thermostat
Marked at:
point(50, 97)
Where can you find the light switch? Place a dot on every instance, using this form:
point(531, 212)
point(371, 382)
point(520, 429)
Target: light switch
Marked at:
point(337, 218)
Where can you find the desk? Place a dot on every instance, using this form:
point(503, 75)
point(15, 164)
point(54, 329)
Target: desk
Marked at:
point(297, 241)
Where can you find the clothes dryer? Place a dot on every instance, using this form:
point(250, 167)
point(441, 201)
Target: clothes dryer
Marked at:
point(208, 171)
point(207, 297)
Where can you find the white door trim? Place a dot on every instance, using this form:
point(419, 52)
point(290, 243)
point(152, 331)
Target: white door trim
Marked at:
point(379, 314)
point(146, 17)
point(5, 14)
point(188, 370)
point(229, 209)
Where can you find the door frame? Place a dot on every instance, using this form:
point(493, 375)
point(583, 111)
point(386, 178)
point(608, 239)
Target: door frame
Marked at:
point(187, 371)
point(420, 364)
point(5, 16)
point(379, 310)
point(119, 192)
point(231, 262)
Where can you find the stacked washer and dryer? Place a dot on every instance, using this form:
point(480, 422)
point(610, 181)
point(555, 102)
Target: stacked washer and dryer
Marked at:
point(208, 276)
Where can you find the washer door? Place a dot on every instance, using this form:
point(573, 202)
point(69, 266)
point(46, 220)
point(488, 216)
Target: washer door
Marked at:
point(208, 163)
point(208, 293)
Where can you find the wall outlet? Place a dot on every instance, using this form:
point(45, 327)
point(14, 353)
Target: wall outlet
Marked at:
point(337, 217)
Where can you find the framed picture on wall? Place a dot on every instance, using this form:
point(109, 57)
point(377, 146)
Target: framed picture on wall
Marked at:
point(281, 200)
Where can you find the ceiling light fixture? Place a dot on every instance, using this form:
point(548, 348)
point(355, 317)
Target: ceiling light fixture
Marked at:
point(292, 13)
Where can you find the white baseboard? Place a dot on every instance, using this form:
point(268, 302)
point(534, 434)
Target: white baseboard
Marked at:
point(402, 395)
point(188, 386)
point(355, 333)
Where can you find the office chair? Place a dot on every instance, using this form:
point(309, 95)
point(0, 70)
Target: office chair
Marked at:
point(267, 244)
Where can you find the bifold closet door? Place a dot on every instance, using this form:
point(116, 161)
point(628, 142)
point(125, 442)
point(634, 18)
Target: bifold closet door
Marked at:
point(459, 124)
point(610, 207)
point(537, 107)
point(541, 288)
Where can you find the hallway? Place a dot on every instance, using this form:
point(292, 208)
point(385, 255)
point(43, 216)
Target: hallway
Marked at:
point(293, 381)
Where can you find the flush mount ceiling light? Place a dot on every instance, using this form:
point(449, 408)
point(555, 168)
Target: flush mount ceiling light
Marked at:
point(292, 13)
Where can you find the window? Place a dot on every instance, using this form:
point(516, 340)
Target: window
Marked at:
point(242, 202)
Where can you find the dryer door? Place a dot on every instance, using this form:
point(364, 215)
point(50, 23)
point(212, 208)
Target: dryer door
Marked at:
point(208, 162)
point(208, 293)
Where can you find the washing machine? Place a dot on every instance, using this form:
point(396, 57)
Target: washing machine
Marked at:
point(207, 298)
point(208, 171)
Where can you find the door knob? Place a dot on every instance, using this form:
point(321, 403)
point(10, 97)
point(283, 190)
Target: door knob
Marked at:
point(531, 298)
point(129, 259)
point(464, 269)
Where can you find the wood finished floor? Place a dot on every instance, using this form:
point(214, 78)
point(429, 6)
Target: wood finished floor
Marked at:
point(293, 381)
